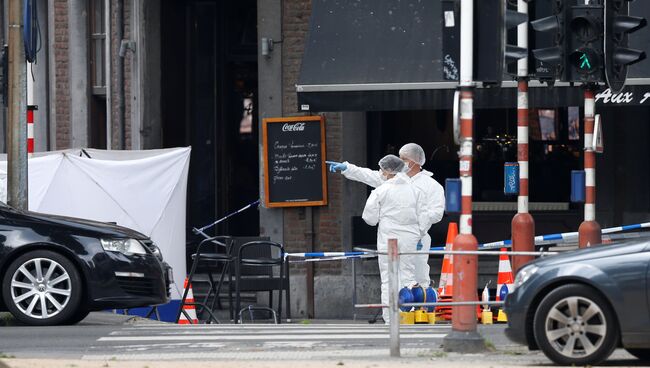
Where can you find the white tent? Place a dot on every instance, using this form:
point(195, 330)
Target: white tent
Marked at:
point(141, 190)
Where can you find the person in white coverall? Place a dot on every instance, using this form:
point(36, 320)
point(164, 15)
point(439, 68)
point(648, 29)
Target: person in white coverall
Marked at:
point(432, 203)
point(393, 206)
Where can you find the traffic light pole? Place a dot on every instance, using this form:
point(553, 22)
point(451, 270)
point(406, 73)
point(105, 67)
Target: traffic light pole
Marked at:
point(589, 232)
point(464, 337)
point(523, 225)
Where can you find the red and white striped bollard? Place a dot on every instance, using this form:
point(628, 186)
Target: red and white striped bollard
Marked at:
point(30, 129)
point(589, 232)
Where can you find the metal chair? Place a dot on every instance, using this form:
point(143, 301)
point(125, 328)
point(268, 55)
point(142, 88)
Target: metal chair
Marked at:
point(254, 272)
point(211, 259)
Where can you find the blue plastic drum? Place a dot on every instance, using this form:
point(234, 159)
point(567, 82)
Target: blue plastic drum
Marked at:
point(405, 296)
point(432, 297)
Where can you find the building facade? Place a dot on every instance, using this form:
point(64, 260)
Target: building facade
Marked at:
point(144, 74)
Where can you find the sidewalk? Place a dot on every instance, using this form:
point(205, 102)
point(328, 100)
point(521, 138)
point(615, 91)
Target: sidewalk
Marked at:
point(94, 318)
point(448, 360)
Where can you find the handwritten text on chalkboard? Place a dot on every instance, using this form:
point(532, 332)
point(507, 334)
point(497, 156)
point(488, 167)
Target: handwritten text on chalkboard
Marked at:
point(287, 158)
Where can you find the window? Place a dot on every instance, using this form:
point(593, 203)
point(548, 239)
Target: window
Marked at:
point(97, 58)
point(98, 46)
point(553, 148)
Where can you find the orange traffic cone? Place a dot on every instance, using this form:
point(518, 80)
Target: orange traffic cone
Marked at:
point(505, 283)
point(188, 308)
point(446, 285)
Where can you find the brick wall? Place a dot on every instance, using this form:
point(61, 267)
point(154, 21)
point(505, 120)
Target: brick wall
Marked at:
point(62, 74)
point(327, 223)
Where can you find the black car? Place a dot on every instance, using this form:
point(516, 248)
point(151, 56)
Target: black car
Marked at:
point(55, 269)
point(577, 307)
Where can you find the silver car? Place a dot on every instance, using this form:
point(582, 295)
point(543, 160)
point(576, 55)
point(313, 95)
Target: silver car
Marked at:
point(577, 307)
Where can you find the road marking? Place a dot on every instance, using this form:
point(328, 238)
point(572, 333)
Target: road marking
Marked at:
point(262, 355)
point(277, 337)
point(285, 327)
point(217, 331)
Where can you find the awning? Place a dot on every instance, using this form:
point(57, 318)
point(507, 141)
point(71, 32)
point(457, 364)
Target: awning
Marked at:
point(385, 55)
point(371, 55)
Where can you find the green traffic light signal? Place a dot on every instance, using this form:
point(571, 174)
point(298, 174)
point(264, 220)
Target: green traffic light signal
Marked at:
point(585, 62)
point(585, 35)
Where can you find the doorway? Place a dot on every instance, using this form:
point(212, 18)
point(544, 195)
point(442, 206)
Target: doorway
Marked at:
point(209, 98)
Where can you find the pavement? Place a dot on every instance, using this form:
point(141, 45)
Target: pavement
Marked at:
point(110, 340)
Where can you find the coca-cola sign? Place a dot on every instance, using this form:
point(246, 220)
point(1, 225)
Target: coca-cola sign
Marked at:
point(296, 127)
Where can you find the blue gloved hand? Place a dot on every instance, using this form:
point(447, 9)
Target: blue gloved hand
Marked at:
point(336, 166)
point(419, 246)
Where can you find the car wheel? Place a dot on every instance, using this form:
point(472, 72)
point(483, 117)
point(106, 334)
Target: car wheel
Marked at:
point(574, 325)
point(642, 354)
point(42, 288)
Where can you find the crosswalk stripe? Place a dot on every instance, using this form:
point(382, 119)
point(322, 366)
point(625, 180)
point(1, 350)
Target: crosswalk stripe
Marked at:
point(259, 355)
point(268, 332)
point(283, 326)
point(259, 337)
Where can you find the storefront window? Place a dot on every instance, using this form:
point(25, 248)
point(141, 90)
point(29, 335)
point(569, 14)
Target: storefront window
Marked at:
point(552, 153)
point(554, 147)
point(573, 116)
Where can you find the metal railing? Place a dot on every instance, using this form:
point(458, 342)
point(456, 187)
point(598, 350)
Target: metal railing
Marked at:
point(393, 286)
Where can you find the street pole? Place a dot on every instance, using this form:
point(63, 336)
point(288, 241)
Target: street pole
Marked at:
point(589, 232)
point(523, 224)
point(393, 297)
point(464, 337)
point(17, 114)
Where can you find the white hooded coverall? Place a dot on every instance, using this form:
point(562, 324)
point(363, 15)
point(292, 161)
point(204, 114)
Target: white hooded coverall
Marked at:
point(393, 206)
point(432, 204)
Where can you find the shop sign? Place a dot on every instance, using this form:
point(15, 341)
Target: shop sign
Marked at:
point(624, 98)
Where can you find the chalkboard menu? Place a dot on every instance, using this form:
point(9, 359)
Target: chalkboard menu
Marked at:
point(294, 161)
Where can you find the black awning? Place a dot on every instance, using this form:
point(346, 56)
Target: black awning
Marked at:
point(485, 98)
point(389, 50)
point(385, 55)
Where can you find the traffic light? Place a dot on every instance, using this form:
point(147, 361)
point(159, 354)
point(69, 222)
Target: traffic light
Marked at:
point(618, 24)
point(548, 41)
point(585, 31)
point(492, 50)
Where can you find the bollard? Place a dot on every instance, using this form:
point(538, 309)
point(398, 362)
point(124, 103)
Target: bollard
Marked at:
point(393, 290)
point(523, 239)
point(30, 129)
point(464, 337)
point(589, 232)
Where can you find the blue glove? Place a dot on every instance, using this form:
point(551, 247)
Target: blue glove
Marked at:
point(336, 166)
point(419, 246)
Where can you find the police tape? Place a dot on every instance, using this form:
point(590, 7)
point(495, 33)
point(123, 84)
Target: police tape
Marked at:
point(325, 259)
point(539, 240)
point(324, 254)
point(564, 237)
